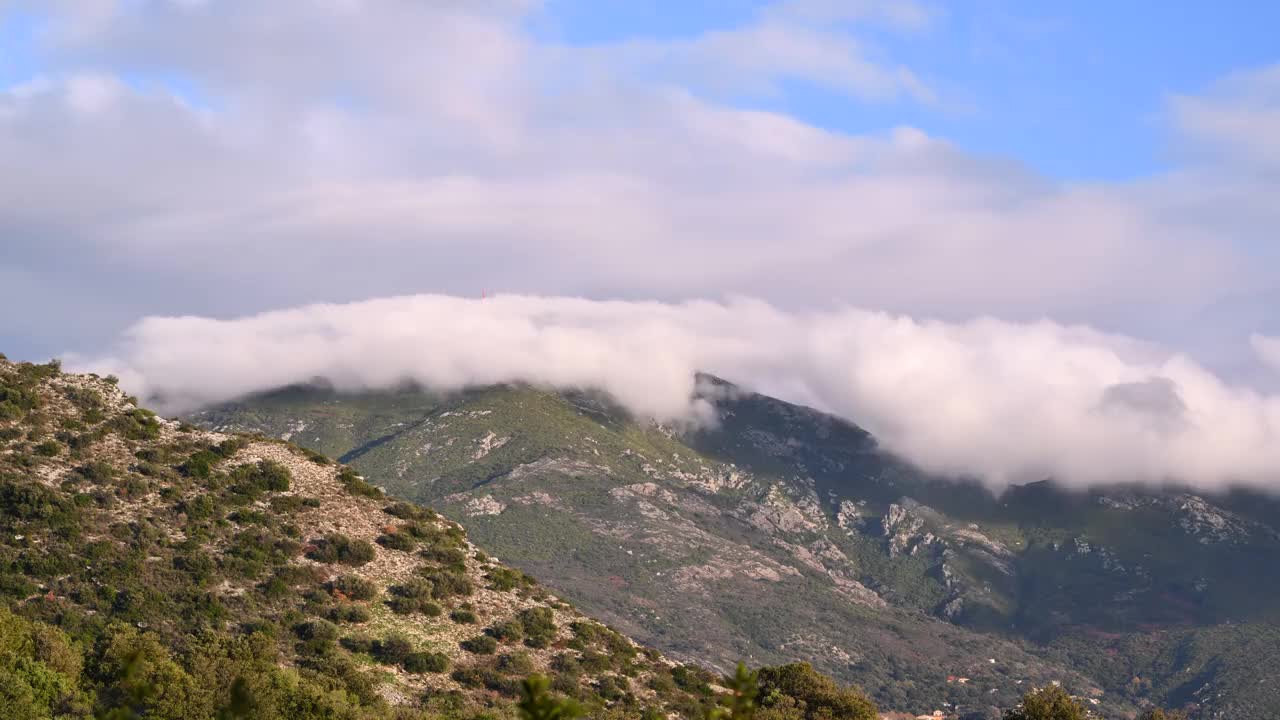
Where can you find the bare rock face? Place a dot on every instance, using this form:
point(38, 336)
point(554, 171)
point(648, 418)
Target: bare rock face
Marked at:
point(905, 530)
point(1210, 524)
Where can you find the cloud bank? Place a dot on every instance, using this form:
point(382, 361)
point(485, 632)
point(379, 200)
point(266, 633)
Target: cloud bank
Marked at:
point(1001, 401)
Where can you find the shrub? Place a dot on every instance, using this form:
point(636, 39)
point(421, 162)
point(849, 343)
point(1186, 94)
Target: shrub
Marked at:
point(338, 548)
point(357, 485)
point(199, 465)
point(230, 446)
point(426, 662)
point(692, 679)
point(97, 472)
point(480, 645)
point(822, 697)
point(358, 643)
point(539, 626)
point(517, 663)
point(413, 596)
point(415, 589)
point(318, 458)
point(355, 587)
point(350, 613)
point(137, 424)
point(318, 636)
point(487, 678)
point(507, 632)
point(409, 511)
point(200, 507)
point(256, 478)
point(288, 504)
point(392, 650)
point(404, 606)
point(613, 688)
point(49, 448)
point(397, 541)
point(447, 583)
point(463, 616)
point(536, 702)
point(504, 579)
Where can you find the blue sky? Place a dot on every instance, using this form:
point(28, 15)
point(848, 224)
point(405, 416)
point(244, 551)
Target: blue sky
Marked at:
point(1073, 89)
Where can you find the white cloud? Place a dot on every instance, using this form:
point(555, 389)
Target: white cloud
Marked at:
point(1002, 401)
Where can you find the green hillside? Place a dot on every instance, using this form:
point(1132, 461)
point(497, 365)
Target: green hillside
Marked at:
point(150, 569)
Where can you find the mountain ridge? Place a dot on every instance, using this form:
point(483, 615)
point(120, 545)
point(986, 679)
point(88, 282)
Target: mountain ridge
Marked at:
point(1039, 573)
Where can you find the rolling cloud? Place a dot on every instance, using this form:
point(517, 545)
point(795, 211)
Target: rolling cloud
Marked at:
point(1006, 402)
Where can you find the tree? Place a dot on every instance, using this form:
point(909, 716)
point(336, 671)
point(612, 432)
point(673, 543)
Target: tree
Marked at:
point(740, 703)
point(798, 692)
point(1050, 703)
point(536, 702)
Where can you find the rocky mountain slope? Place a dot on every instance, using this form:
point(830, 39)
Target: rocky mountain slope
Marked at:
point(783, 533)
point(149, 568)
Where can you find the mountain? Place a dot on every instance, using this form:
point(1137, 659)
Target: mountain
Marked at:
point(781, 533)
point(152, 569)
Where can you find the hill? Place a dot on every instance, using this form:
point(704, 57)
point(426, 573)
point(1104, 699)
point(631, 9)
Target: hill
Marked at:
point(152, 569)
point(782, 533)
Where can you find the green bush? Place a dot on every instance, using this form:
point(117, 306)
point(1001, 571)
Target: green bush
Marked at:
point(504, 579)
point(1049, 703)
point(425, 662)
point(49, 448)
point(488, 678)
point(480, 645)
point(358, 644)
point(392, 650)
point(409, 511)
point(98, 472)
point(463, 616)
point(137, 424)
point(816, 694)
point(508, 631)
point(539, 626)
point(318, 636)
point(447, 583)
point(355, 587)
point(338, 548)
point(318, 458)
point(199, 465)
point(397, 541)
point(356, 485)
point(536, 702)
point(253, 479)
point(350, 613)
point(517, 663)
